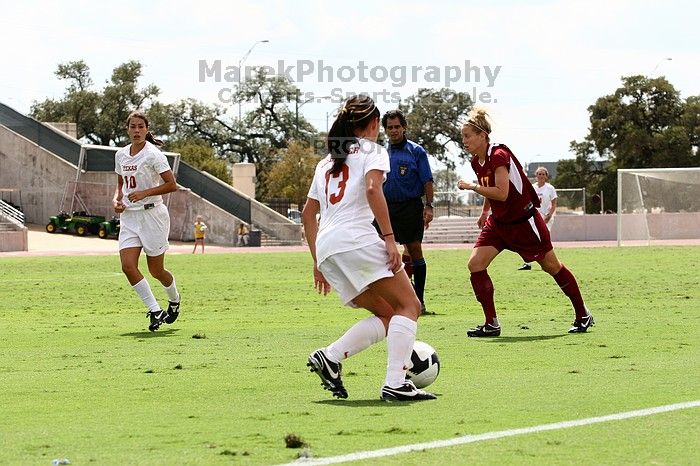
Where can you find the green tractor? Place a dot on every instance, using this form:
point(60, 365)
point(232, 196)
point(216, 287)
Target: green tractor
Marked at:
point(81, 223)
point(109, 228)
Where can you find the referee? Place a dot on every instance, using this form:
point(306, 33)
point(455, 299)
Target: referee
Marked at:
point(408, 181)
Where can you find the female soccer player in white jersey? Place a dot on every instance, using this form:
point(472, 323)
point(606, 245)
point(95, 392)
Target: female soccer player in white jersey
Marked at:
point(364, 268)
point(143, 177)
point(548, 201)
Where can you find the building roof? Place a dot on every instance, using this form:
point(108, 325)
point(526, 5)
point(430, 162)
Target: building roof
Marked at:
point(551, 167)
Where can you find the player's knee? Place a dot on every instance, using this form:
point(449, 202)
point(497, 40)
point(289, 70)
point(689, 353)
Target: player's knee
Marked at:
point(130, 269)
point(475, 265)
point(157, 272)
point(414, 308)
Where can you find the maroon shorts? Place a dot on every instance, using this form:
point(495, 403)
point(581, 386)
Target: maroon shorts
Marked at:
point(529, 238)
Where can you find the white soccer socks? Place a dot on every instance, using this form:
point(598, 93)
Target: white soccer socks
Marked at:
point(359, 337)
point(143, 289)
point(399, 341)
point(171, 291)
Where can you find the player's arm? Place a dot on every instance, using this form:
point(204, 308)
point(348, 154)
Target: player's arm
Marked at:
point(428, 187)
point(496, 193)
point(484, 213)
point(374, 179)
point(169, 185)
point(552, 209)
point(308, 218)
point(118, 194)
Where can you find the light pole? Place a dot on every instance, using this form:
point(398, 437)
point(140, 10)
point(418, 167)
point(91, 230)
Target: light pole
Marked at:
point(651, 75)
point(298, 105)
point(240, 70)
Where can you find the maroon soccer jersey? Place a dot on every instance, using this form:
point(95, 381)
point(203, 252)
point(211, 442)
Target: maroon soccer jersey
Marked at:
point(521, 194)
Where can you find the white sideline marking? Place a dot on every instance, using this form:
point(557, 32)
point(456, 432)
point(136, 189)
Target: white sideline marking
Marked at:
point(363, 455)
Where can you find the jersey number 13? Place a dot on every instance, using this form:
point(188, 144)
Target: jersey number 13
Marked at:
point(337, 196)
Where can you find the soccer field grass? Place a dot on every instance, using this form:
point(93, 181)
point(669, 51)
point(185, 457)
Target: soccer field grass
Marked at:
point(83, 379)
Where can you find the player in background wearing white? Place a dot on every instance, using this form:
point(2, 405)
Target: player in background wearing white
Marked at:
point(143, 176)
point(548, 201)
point(364, 268)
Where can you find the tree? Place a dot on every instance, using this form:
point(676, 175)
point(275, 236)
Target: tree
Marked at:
point(263, 131)
point(201, 155)
point(290, 177)
point(100, 116)
point(435, 119)
point(640, 125)
point(445, 181)
point(643, 124)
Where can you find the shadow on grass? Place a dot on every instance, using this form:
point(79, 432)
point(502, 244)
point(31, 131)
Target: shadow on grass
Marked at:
point(374, 402)
point(521, 339)
point(157, 334)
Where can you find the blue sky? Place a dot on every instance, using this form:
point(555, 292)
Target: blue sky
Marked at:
point(554, 58)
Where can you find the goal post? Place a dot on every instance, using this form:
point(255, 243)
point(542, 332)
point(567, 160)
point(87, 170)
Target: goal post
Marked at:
point(656, 204)
point(571, 201)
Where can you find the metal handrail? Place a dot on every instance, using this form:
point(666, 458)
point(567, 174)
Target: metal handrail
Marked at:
point(13, 215)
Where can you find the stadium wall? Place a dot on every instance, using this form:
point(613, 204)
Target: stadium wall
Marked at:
point(43, 179)
point(584, 228)
point(37, 173)
point(667, 226)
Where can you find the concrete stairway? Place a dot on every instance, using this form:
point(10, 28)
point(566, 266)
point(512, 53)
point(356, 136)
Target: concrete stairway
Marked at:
point(267, 240)
point(452, 230)
point(442, 230)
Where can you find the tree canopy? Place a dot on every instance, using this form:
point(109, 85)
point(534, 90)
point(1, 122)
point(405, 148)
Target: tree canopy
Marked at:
point(100, 115)
point(643, 124)
point(291, 176)
point(435, 118)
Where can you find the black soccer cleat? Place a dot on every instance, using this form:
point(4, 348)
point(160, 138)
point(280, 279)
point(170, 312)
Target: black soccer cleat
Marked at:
point(424, 311)
point(486, 330)
point(406, 392)
point(329, 372)
point(172, 313)
point(525, 266)
point(156, 319)
point(581, 325)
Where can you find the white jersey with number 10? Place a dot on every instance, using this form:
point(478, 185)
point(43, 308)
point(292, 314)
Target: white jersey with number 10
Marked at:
point(139, 172)
point(346, 218)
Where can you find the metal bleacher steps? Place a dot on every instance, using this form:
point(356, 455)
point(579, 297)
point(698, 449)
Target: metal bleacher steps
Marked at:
point(452, 230)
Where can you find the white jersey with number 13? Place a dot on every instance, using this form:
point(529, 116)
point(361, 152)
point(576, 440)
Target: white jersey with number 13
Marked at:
point(346, 218)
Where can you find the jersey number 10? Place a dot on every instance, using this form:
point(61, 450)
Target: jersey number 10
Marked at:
point(130, 182)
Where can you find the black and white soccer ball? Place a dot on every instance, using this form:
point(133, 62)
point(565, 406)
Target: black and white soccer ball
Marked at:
point(426, 365)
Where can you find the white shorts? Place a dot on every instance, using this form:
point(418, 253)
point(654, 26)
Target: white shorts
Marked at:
point(148, 229)
point(351, 272)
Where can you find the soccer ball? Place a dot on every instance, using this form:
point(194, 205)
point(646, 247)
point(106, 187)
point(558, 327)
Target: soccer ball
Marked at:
point(426, 365)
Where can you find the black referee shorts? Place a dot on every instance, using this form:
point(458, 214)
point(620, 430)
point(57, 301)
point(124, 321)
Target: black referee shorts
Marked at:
point(407, 220)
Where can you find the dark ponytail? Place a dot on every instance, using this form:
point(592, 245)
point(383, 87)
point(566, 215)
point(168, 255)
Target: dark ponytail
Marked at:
point(356, 114)
point(152, 140)
point(142, 116)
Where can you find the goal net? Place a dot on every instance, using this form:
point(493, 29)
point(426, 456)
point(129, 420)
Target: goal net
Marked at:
point(571, 201)
point(657, 204)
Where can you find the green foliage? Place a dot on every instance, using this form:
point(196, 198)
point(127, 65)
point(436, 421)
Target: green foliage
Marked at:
point(445, 180)
point(97, 387)
point(100, 116)
point(643, 124)
point(201, 155)
point(262, 132)
point(435, 118)
point(290, 177)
